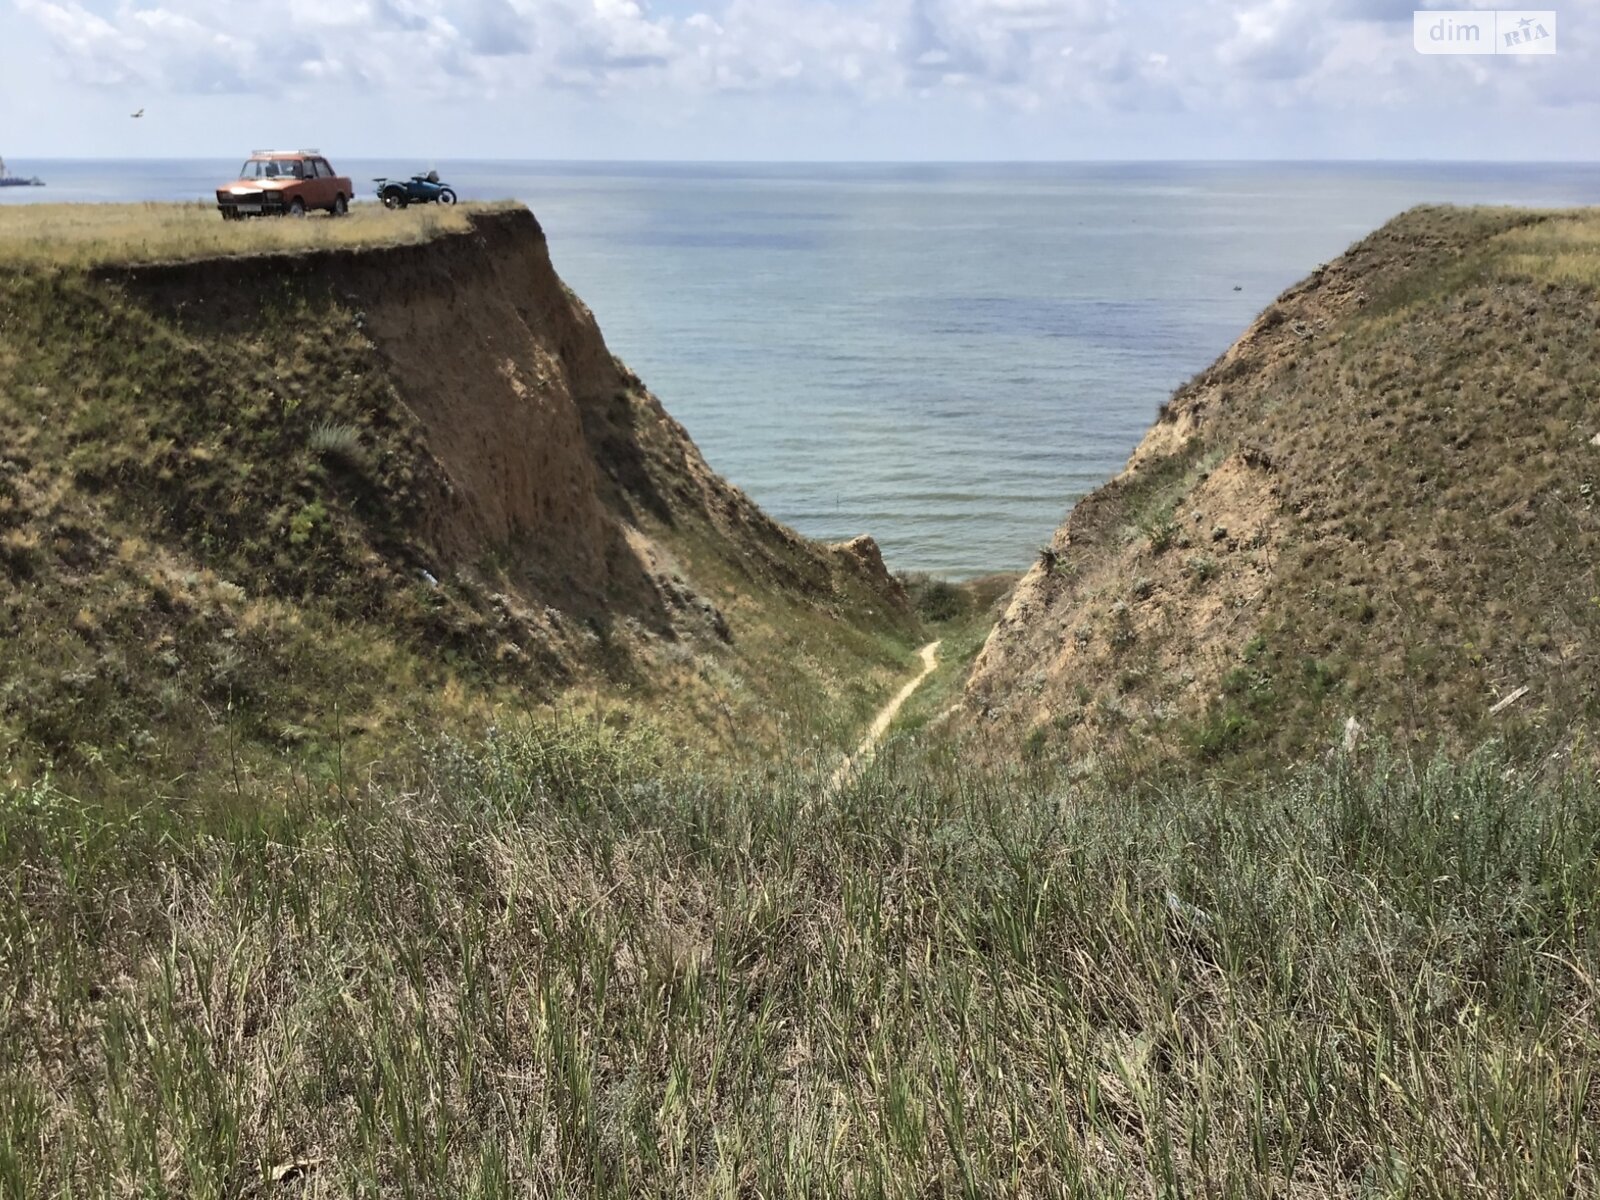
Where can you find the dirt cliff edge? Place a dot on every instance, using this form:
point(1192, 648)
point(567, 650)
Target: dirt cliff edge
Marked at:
point(362, 469)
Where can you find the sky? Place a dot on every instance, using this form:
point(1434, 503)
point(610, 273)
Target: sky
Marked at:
point(783, 80)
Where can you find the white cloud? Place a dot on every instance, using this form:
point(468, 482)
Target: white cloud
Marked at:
point(1133, 55)
point(1280, 39)
point(98, 50)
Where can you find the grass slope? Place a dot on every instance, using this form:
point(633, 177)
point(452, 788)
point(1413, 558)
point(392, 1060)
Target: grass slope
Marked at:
point(1384, 502)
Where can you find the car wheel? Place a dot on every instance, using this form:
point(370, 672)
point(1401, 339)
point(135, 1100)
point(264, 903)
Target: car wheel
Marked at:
point(341, 206)
point(447, 197)
point(297, 207)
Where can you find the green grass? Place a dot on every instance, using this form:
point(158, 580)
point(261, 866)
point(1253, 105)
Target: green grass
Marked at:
point(560, 964)
point(201, 533)
point(960, 616)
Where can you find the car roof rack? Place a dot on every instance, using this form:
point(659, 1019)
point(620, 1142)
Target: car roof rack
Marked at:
point(269, 153)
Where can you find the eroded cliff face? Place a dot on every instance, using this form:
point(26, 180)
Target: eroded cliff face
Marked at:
point(427, 448)
point(487, 349)
point(1372, 506)
point(537, 445)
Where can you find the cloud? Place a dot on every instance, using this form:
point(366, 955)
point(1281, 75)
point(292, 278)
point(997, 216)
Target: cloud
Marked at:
point(1125, 55)
point(198, 45)
point(1277, 40)
point(493, 28)
point(98, 51)
point(1005, 44)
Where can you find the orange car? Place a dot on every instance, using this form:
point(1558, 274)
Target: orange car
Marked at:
point(284, 183)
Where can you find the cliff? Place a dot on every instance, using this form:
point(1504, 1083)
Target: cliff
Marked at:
point(382, 477)
point(1383, 503)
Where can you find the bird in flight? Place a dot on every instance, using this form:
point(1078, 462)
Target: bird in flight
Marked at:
point(138, 114)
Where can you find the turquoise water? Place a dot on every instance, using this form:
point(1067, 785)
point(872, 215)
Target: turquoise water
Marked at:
point(946, 357)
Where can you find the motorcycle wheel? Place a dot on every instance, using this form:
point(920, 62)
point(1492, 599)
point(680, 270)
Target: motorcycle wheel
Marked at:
point(393, 200)
point(447, 197)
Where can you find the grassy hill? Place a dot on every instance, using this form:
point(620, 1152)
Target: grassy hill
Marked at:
point(293, 491)
point(418, 776)
point(1382, 503)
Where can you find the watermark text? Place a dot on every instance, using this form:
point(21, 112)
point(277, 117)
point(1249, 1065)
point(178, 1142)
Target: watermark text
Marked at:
point(1485, 31)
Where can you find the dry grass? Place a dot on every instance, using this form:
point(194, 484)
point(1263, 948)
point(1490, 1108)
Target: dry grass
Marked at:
point(1563, 249)
point(80, 235)
point(558, 967)
point(1383, 502)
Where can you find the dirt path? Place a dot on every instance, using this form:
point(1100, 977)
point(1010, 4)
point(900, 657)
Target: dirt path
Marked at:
point(880, 724)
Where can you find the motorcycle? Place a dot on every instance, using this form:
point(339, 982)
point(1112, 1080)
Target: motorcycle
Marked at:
point(419, 189)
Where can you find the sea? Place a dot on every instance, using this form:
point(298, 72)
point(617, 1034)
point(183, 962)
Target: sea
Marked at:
point(946, 357)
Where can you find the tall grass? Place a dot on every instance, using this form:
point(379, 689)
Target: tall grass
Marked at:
point(556, 965)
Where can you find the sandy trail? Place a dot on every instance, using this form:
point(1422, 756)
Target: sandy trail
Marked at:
point(880, 724)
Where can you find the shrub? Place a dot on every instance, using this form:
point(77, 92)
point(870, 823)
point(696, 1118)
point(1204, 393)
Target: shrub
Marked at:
point(1121, 633)
point(1034, 745)
point(305, 523)
point(1201, 568)
point(338, 442)
point(1221, 733)
point(935, 600)
point(19, 551)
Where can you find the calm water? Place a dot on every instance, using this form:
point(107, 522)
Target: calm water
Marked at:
point(945, 357)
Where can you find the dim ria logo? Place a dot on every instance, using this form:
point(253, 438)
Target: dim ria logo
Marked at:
point(1484, 31)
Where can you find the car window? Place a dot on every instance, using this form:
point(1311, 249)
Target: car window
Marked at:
point(324, 171)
